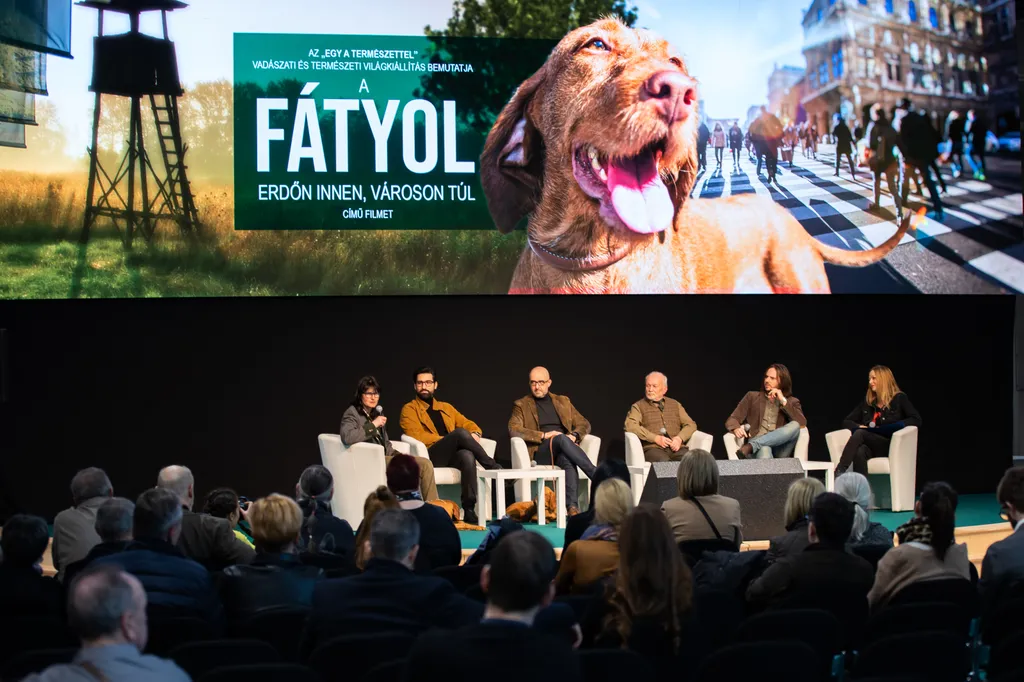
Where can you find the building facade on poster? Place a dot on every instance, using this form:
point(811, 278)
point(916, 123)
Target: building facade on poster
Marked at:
point(1000, 20)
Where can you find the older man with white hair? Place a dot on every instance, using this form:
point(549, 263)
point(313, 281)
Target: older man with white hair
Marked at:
point(207, 539)
point(73, 532)
point(660, 423)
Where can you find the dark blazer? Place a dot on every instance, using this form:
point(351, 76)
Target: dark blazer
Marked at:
point(1002, 567)
point(440, 544)
point(314, 531)
point(792, 543)
point(385, 597)
point(817, 570)
point(270, 580)
point(525, 423)
point(212, 542)
point(101, 550)
point(899, 410)
point(750, 410)
point(172, 581)
point(24, 591)
point(503, 651)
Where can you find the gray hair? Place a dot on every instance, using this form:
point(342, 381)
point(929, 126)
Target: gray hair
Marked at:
point(176, 478)
point(393, 534)
point(157, 511)
point(114, 519)
point(90, 483)
point(99, 597)
point(660, 375)
point(855, 488)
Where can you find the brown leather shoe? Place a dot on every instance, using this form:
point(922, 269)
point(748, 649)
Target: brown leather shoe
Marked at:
point(745, 451)
point(573, 511)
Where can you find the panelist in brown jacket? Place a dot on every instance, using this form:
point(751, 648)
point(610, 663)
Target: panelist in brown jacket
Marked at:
point(660, 423)
point(771, 418)
point(552, 429)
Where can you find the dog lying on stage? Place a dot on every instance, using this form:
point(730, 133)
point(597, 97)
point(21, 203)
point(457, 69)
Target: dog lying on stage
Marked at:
point(599, 149)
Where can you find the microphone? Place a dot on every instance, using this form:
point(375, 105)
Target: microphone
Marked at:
point(379, 410)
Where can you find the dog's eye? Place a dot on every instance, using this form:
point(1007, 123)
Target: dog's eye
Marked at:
point(676, 62)
point(598, 44)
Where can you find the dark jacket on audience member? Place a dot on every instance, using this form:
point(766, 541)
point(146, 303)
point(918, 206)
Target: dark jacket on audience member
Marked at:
point(874, 534)
point(173, 582)
point(25, 591)
point(212, 542)
point(1002, 567)
point(385, 597)
point(74, 534)
point(500, 651)
point(101, 550)
point(792, 543)
point(268, 581)
point(439, 541)
point(819, 569)
point(323, 524)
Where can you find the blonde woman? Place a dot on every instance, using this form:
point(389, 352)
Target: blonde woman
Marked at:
point(885, 410)
point(595, 555)
point(798, 504)
point(700, 513)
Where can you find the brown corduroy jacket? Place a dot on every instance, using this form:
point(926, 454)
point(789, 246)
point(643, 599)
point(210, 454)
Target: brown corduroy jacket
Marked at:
point(524, 421)
point(751, 410)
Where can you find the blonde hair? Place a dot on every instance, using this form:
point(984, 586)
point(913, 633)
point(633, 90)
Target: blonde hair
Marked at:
point(800, 496)
point(887, 387)
point(614, 504)
point(276, 521)
point(697, 474)
point(381, 498)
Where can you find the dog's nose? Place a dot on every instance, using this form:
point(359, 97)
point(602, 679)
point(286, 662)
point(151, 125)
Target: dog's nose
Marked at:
point(674, 94)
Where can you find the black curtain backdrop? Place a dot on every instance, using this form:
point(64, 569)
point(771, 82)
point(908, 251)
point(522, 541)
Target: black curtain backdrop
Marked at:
point(238, 389)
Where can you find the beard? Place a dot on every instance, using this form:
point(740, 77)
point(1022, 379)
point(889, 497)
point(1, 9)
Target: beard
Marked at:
point(425, 394)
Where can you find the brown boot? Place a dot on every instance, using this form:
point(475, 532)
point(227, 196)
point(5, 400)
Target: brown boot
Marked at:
point(572, 511)
point(745, 451)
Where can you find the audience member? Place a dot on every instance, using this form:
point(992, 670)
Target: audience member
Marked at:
point(275, 577)
point(381, 498)
point(223, 503)
point(1004, 561)
point(439, 541)
point(387, 596)
point(322, 531)
point(114, 528)
point(700, 513)
point(824, 567)
point(799, 497)
point(73, 532)
point(926, 550)
point(855, 488)
point(24, 590)
point(174, 583)
point(204, 538)
point(575, 525)
point(595, 556)
point(503, 646)
point(107, 608)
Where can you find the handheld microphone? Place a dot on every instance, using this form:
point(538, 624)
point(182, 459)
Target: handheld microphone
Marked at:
point(379, 410)
point(871, 424)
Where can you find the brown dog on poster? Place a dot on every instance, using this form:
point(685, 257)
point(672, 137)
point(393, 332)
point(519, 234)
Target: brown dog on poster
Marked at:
point(599, 149)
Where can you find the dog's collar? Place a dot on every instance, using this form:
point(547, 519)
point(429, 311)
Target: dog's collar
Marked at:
point(578, 263)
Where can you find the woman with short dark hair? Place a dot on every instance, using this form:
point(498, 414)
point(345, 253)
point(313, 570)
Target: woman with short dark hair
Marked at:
point(225, 504)
point(439, 540)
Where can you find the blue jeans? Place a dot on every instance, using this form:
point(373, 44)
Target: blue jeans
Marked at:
point(778, 443)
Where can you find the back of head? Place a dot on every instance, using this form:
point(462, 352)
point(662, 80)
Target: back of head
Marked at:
point(221, 502)
point(90, 483)
point(520, 571)
point(177, 479)
point(98, 599)
point(610, 468)
point(855, 488)
point(393, 534)
point(24, 540)
point(276, 521)
point(315, 484)
point(938, 507)
point(799, 497)
point(1011, 489)
point(697, 474)
point(157, 513)
point(613, 502)
point(381, 498)
point(403, 473)
point(114, 520)
point(832, 518)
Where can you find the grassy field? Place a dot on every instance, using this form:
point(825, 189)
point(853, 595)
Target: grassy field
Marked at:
point(40, 257)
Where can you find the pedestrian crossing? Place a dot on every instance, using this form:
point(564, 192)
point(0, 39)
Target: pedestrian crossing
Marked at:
point(977, 248)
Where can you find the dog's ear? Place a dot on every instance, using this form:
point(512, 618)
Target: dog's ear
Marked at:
point(512, 163)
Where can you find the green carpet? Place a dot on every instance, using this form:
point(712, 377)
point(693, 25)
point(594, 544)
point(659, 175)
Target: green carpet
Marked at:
point(471, 539)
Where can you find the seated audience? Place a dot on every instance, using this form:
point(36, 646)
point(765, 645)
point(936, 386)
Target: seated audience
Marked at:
point(595, 556)
point(700, 513)
point(504, 645)
point(799, 497)
point(114, 528)
point(1004, 561)
point(205, 539)
point(24, 590)
point(387, 596)
point(322, 531)
point(575, 525)
point(174, 583)
point(73, 532)
point(107, 608)
point(381, 498)
point(926, 550)
point(223, 503)
point(276, 577)
point(824, 567)
point(439, 541)
point(855, 488)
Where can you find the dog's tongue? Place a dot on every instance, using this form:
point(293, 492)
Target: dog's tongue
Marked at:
point(639, 196)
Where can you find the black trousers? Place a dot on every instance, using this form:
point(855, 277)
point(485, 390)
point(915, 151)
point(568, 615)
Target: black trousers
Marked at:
point(565, 454)
point(460, 450)
point(929, 181)
point(702, 155)
point(848, 155)
point(862, 446)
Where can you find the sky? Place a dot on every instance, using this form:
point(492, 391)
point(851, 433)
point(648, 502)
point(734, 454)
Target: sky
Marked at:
point(730, 45)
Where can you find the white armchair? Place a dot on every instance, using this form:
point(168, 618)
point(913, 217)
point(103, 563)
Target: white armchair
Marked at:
point(451, 475)
point(900, 466)
point(639, 467)
point(357, 471)
point(732, 445)
point(590, 444)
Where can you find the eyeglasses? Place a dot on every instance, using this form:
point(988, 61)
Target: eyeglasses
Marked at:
point(540, 383)
point(371, 394)
point(424, 383)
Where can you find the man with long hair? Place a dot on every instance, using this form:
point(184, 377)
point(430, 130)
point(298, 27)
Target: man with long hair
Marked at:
point(770, 418)
point(885, 410)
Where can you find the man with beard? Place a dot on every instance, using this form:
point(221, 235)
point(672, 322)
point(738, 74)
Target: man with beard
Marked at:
point(771, 418)
point(452, 440)
point(920, 146)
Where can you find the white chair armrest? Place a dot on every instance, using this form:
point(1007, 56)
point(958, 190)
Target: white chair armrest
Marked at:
point(802, 443)
point(520, 454)
point(489, 446)
point(836, 441)
point(591, 445)
point(401, 446)
point(903, 468)
point(731, 445)
point(634, 450)
point(418, 448)
point(701, 441)
point(357, 471)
